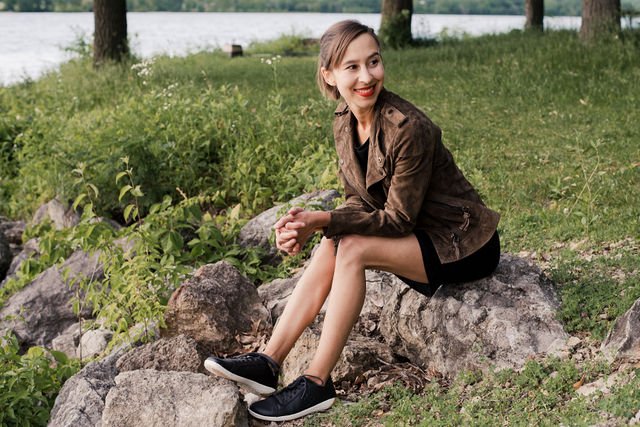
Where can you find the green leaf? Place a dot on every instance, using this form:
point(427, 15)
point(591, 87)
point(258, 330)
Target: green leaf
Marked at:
point(127, 211)
point(137, 192)
point(79, 199)
point(120, 175)
point(93, 188)
point(59, 356)
point(123, 191)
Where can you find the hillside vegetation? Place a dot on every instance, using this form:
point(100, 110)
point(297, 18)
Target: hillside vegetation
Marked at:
point(184, 150)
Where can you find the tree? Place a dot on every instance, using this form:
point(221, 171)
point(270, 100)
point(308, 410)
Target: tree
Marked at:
point(110, 37)
point(600, 19)
point(395, 27)
point(534, 10)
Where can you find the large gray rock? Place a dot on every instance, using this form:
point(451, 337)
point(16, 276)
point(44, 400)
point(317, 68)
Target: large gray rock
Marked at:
point(42, 310)
point(496, 322)
point(179, 353)
point(622, 343)
point(160, 398)
point(257, 232)
point(359, 355)
point(80, 402)
point(60, 215)
point(219, 308)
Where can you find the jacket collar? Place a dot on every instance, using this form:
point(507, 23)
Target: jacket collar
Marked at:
point(344, 145)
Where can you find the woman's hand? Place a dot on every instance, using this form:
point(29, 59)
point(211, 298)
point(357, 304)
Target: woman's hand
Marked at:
point(294, 229)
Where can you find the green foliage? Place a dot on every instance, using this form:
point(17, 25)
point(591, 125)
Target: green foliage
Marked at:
point(29, 383)
point(544, 127)
point(541, 393)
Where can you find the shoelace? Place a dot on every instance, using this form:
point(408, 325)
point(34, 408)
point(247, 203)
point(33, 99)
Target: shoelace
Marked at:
point(286, 394)
point(251, 358)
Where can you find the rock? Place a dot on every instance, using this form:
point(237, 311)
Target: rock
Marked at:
point(179, 353)
point(29, 249)
point(573, 342)
point(42, 310)
point(68, 341)
point(360, 354)
point(635, 420)
point(5, 256)
point(159, 398)
point(93, 343)
point(496, 322)
point(81, 400)
point(220, 309)
point(275, 294)
point(257, 232)
point(603, 385)
point(622, 343)
point(58, 214)
point(12, 230)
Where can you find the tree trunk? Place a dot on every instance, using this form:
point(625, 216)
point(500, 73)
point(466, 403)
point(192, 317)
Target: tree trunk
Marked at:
point(395, 27)
point(600, 19)
point(534, 9)
point(110, 37)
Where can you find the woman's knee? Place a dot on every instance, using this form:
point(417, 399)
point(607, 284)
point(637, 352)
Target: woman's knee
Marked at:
point(352, 249)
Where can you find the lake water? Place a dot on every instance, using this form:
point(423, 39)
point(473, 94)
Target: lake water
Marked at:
point(31, 43)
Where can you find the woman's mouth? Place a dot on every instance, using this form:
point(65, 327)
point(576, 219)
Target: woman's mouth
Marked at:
point(365, 91)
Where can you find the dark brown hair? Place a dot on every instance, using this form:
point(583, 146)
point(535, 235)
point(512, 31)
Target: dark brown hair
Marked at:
point(333, 45)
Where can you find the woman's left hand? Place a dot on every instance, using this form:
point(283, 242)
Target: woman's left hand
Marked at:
point(305, 223)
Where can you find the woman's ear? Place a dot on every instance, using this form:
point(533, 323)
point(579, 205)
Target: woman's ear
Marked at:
point(328, 76)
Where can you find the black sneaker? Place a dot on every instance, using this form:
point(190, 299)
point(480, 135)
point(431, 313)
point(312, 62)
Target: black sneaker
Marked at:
point(256, 371)
point(300, 398)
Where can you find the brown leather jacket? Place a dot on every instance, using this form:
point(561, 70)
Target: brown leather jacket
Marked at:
point(411, 183)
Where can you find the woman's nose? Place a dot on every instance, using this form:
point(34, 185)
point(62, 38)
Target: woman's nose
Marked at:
point(365, 75)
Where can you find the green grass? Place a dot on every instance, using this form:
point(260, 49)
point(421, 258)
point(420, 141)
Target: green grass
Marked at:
point(546, 129)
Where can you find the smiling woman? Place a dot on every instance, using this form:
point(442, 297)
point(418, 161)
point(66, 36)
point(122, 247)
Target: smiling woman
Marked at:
point(409, 210)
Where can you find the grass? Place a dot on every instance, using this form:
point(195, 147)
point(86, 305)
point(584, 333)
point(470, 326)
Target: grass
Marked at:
point(543, 126)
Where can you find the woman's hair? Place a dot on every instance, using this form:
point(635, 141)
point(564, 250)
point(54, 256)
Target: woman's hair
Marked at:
point(333, 45)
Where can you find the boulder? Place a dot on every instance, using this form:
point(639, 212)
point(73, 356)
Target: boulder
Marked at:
point(42, 310)
point(622, 343)
point(179, 353)
point(5, 256)
point(93, 343)
point(161, 398)
point(257, 232)
point(67, 342)
point(56, 212)
point(359, 355)
point(80, 402)
point(220, 309)
point(497, 322)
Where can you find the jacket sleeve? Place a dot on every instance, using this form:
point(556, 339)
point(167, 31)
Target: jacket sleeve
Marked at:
point(411, 166)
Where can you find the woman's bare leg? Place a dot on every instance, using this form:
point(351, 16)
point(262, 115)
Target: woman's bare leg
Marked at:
point(356, 253)
point(305, 302)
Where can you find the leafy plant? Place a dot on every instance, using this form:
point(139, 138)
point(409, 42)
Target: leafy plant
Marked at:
point(29, 383)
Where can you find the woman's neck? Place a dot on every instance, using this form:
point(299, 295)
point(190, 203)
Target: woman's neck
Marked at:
point(363, 124)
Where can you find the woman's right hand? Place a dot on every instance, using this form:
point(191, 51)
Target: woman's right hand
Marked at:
point(287, 232)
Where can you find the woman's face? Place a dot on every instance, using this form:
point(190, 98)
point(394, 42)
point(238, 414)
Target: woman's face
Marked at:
point(360, 75)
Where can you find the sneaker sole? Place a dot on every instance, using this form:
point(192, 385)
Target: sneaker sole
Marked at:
point(322, 406)
point(255, 387)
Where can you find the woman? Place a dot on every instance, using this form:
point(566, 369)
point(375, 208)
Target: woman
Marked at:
point(408, 210)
